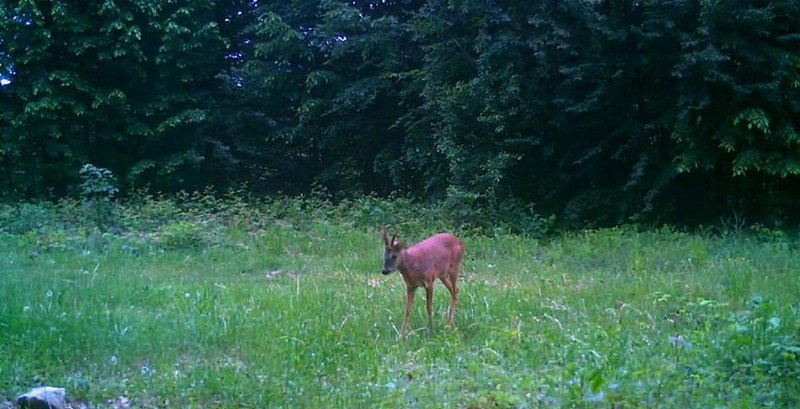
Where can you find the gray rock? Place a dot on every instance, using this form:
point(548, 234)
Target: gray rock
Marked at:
point(44, 397)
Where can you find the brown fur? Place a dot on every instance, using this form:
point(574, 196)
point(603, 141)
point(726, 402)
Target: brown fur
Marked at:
point(437, 257)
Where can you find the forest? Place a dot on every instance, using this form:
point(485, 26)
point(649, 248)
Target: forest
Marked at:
point(191, 194)
point(594, 112)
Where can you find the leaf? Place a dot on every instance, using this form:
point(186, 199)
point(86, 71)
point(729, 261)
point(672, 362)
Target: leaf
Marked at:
point(746, 161)
point(753, 118)
point(596, 381)
point(705, 302)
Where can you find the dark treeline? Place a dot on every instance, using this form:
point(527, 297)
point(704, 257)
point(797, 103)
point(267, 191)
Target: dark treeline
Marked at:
point(679, 111)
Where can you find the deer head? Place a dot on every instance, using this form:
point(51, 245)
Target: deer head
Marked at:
point(391, 251)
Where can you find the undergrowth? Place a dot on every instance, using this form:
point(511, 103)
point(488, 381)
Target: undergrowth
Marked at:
point(202, 301)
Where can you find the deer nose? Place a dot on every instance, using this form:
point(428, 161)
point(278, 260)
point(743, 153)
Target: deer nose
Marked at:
point(386, 272)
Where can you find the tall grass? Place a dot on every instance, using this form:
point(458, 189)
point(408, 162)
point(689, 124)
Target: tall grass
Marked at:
point(199, 302)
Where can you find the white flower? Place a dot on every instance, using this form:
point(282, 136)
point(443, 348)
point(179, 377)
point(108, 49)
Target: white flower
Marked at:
point(49, 294)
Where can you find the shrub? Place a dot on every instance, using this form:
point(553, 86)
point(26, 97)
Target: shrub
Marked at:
point(758, 347)
point(97, 191)
point(180, 235)
point(26, 217)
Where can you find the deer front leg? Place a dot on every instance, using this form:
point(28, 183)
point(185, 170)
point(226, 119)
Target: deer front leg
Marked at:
point(409, 301)
point(429, 304)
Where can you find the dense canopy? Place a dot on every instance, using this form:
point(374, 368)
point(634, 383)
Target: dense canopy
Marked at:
point(598, 112)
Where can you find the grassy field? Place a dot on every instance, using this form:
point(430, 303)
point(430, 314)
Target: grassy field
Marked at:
point(294, 313)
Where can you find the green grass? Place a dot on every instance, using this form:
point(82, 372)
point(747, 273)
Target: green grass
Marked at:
point(296, 314)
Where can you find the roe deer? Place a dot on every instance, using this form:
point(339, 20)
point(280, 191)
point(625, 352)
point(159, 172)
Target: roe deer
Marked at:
point(438, 256)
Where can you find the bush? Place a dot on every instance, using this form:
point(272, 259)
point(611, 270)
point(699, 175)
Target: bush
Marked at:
point(196, 219)
point(757, 347)
point(27, 217)
point(180, 235)
point(97, 191)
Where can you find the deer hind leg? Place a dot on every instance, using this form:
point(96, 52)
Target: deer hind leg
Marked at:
point(409, 301)
point(455, 269)
point(450, 284)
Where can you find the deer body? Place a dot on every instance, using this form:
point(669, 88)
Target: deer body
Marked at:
point(437, 257)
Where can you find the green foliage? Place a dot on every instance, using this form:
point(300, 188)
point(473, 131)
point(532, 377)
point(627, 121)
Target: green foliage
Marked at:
point(596, 112)
point(97, 190)
point(180, 235)
point(755, 348)
point(120, 84)
point(98, 183)
point(281, 301)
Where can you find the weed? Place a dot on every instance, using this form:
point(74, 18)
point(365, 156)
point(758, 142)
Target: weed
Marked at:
point(200, 302)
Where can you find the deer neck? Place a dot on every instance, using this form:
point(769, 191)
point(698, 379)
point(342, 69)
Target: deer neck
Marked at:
point(402, 261)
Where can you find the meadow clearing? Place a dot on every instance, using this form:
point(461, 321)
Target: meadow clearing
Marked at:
point(283, 305)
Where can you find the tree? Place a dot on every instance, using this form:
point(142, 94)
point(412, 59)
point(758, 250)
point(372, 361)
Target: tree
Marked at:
point(737, 118)
point(322, 82)
point(600, 112)
point(125, 86)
